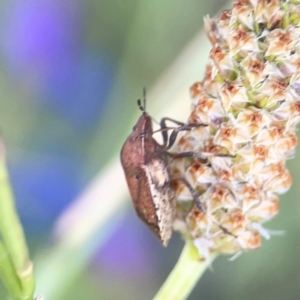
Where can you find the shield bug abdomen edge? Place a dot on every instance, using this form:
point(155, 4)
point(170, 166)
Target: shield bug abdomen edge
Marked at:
point(148, 180)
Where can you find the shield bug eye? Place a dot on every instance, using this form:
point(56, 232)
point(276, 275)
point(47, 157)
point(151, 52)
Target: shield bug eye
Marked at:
point(137, 177)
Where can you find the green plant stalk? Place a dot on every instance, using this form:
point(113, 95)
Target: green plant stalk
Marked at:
point(13, 236)
point(185, 275)
point(8, 274)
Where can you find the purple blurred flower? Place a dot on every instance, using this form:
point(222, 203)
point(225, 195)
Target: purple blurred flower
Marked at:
point(43, 47)
point(40, 36)
point(131, 249)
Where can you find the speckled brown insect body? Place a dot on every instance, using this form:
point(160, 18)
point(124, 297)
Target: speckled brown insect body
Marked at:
point(145, 165)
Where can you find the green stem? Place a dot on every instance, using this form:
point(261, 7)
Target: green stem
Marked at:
point(13, 236)
point(8, 274)
point(184, 275)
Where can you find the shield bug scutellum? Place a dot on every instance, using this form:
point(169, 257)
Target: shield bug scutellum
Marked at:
point(146, 169)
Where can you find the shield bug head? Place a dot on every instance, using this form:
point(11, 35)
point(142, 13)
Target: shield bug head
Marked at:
point(145, 167)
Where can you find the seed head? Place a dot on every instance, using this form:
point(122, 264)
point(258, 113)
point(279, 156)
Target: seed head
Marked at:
point(250, 98)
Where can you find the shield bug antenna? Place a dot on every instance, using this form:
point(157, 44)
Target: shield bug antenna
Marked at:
point(145, 166)
point(141, 107)
point(139, 103)
point(144, 98)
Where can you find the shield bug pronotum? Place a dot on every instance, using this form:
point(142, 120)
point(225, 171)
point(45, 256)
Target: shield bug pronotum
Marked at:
point(145, 165)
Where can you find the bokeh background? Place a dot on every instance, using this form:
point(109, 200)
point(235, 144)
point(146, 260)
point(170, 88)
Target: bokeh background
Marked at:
point(70, 74)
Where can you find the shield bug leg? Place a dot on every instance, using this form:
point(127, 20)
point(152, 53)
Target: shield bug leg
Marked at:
point(194, 154)
point(185, 127)
point(199, 204)
point(197, 155)
point(193, 193)
point(164, 129)
point(168, 142)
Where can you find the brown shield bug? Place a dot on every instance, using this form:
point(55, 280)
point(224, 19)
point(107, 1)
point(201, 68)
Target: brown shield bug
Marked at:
point(145, 165)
